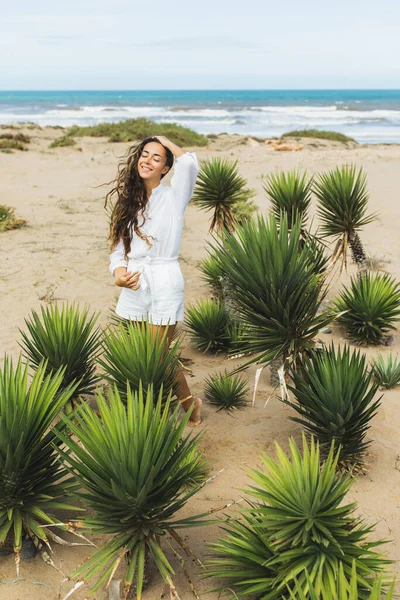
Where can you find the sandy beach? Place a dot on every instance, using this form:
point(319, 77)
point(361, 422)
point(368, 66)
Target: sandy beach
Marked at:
point(62, 255)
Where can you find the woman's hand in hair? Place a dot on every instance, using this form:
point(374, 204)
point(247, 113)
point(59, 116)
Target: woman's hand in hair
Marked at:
point(127, 279)
point(176, 150)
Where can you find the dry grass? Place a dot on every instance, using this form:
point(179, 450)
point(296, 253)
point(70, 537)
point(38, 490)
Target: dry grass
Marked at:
point(10, 141)
point(8, 219)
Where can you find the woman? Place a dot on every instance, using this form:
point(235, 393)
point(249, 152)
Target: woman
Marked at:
point(145, 235)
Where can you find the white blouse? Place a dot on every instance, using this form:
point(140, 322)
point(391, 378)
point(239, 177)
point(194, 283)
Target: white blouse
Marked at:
point(163, 218)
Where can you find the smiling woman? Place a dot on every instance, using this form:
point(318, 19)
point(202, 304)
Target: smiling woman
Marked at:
point(145, 234)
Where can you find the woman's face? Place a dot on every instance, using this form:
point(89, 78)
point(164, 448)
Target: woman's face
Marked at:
point(151, 163)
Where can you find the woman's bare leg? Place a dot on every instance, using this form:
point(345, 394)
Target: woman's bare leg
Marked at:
point(184, 393)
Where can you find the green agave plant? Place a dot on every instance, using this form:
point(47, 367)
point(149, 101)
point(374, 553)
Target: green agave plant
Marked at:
point(316, 249)
point(134, 354)
point(208, 322)
point(275, 288)
point(342, 204)
point(133, 463)
point(218, 189)
point(290, 193)
point(386, 371)
point(33, 484)
point(212, 274)
point(241, 558)
point(65, 337)
point(345, 590)
point(236, 331)
point(370, 307)
point(297, 523)
point(335, 398)
point(226, 391)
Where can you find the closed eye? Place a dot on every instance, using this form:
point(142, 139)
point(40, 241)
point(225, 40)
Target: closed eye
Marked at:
point(145, 154)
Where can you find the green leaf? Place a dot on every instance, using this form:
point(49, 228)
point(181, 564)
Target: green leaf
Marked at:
point(369, 308)
point(220, 189)
point(297, 534)
point(275, 288)
point(32, 481)
point(132, 355)
point(134, 464)
point(64, 337)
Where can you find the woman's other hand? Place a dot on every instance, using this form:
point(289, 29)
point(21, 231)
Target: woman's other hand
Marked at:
point(163, 140)
point(176, 150)
point(127, 279)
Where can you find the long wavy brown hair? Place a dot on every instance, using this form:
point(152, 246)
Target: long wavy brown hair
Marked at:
point(127, 213)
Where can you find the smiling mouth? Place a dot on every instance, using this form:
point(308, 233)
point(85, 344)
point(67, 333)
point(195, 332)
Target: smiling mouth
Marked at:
point(145, 168)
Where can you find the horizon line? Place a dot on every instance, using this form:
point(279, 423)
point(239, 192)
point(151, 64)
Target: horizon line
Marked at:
point(295, 89)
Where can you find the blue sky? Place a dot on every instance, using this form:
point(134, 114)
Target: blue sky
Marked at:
point(202, 44)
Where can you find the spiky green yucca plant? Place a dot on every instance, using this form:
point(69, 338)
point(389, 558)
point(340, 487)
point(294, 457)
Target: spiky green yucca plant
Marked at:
point(226, 391)
point(66, 338)
point(370, 307)
point(290, 193)
point(274, 287)
point(133, 463)
point(345, 590)
point(208, 323)
point(386, 371)
point(33, 484)
point(342, 204)
point(297, 521)
point(212, 274)
point(219, 188)
point(335, 398)
point(136, 355)
point(317, 251)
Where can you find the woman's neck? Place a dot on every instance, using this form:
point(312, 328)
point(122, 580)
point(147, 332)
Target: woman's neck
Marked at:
point(151, 185)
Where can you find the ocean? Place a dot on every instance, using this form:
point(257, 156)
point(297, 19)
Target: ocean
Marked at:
point(369, 116)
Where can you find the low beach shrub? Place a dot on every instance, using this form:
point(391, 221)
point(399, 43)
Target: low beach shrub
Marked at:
point(295, 521)
point(219, 189)
point(8, 219)
point(207, 322)
point(11, 141)
point(64, 337)
point(226, 391)
point(243, 211)
point(63, 141)
point(342, 199)
point(289, 192)
point(370, 307)
point(335, 398)
point(133, 463)
point(133, 355)
point(137, 129)
point(386, 370)
point(33, 484)
point(333, 136)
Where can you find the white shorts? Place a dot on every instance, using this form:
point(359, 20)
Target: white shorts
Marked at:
point(159, 300)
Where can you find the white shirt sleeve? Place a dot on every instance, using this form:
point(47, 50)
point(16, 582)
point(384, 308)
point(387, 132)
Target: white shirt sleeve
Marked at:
point(117, 257)
point(184, 178)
